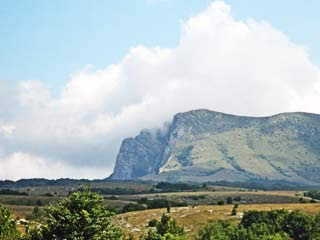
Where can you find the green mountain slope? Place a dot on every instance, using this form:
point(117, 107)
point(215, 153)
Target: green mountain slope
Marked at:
point(203, 145)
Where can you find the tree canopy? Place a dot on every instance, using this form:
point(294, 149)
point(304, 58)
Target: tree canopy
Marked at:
point(165, 229)
point(8, 229)
point(80, 216)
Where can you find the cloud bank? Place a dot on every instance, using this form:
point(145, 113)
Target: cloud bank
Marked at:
point(239, 67)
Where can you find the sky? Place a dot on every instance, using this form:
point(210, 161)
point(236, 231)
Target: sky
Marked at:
point(77, 77)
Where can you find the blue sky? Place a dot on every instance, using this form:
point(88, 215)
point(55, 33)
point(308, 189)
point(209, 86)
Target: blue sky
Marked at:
point(77, 77)
point(49, 40)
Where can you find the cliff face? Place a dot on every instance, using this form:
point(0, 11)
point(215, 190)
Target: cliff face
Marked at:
point(203, 145)
point(140, 156)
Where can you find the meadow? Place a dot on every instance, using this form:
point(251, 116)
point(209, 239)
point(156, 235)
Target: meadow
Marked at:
point(192, 218)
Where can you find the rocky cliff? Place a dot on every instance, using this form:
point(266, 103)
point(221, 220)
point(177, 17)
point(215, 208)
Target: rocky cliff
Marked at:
point(203, 145)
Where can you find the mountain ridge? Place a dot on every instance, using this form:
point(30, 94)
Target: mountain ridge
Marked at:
point(203, 145)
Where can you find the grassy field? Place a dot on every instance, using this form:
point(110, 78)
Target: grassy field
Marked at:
point(192, 218)
point(23, 206)
point(211, 198)
point(62, 191)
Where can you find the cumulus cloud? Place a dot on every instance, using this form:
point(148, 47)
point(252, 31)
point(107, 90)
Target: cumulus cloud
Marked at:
point(28, 166)
point(240, 67)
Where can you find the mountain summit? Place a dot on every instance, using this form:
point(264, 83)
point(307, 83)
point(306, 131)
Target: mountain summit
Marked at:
point(203, 145)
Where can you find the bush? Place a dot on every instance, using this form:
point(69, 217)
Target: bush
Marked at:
point(80, 216)
point(131, 207)
point(165, 229)
point(313, 194)
point(12, 192)
point(226, 231)
point(272, 225)
point(36, 213)
point(234, 211)
point(153, 223)
point(160, 203)
point(229, 200)
point(216, 231)
point(296, 225)
point(237, 199)
point(8, 229)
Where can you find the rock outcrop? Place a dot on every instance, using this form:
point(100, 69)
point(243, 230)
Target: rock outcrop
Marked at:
point(203, 145)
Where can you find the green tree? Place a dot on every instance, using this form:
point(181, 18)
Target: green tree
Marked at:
point(216, 231)
point(81, 216)
point(226, 231)
point(229, 200)
point(168, 208)
point(8, 229)
point(36, 213)
point(165, 229)
point(299, 226)
point(234, 211)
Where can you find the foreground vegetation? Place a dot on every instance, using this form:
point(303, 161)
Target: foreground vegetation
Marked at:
point(83, 215)
point(80, 216)
point(193, 218)
point(273, 225)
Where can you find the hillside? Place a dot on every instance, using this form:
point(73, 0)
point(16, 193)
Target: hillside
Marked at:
point(193, 218)
point(203, 145)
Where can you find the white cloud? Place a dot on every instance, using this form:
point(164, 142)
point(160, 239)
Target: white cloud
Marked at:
point(7, 130)
point(240, 67)
point(22, 165)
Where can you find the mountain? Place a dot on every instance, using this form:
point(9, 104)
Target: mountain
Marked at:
point(203, 145)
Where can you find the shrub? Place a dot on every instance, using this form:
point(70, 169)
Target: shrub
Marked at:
point(272, 225)
point(229, 200)
point(165, 229)
point(131, 207)
point(234, 211)
point(8, 229)
point(237, 199)
point(216, 231)
point(36, 213)
point(153, 223)
point(226, 231)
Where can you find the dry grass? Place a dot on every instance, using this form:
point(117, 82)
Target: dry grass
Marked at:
point(216, 194)
point(135, 223)
point(224, 193)
point(21, 211)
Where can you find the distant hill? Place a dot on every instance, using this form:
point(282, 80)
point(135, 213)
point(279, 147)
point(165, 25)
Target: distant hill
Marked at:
point(203, 145)
point(39, 182)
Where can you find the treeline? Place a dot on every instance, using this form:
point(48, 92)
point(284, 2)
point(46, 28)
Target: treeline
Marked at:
point(162, 187)
point(28, 201)
point(315, 194)
point(264, 184)
point(40, 182)
point(145, 203)
point(265, 225)
point(119, 191)
point(261, 184)
point(12, 192)
point(176, 187)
